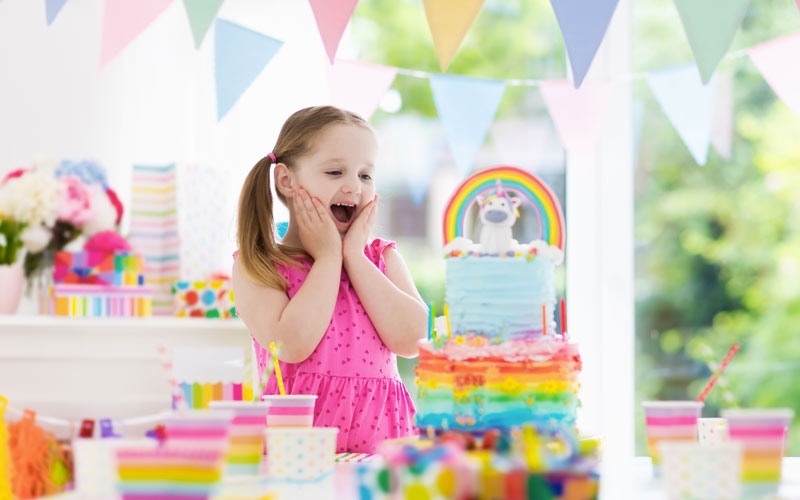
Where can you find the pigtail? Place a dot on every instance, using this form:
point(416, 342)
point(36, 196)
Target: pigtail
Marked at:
point(258, 250)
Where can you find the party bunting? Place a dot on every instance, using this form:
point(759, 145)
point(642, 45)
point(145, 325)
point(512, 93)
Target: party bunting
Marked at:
point(722, 126)
point(583, 25)
point(123, 21)
point(688, 104)
point(52, 8)
point(773, 60)
point(466, 107)
point(240, 54)
point(578, 114)
point(710, 26)
point(332, 17)
point(201, 14)
point(449, 22)
point(359, 86)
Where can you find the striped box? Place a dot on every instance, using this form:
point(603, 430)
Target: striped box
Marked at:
point(292, 410)
point(763, 433)
point(168, 473)
point(246, 436)
point(100, 301)
point(669, 421)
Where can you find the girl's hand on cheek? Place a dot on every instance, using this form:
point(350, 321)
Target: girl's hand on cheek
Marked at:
point(358, 234)
point(318, 233)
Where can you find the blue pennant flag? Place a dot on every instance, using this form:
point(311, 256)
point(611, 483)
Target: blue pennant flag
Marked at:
point(52, 8)
point(688, 104)
point(466, 108)
point(583, 25)
point(240, 54)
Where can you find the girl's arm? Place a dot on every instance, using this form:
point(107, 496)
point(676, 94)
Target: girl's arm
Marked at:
point(297, 324)
point(392, 301)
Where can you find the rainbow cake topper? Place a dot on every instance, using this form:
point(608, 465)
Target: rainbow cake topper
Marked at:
point(514, 180)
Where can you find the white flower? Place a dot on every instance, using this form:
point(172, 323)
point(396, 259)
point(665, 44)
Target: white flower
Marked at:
point(31, 198)
point(35, 238)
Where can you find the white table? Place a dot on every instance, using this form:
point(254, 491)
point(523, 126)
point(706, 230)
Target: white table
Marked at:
point(341, 486)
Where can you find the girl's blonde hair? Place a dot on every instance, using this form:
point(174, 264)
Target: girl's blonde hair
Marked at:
point(258, 250)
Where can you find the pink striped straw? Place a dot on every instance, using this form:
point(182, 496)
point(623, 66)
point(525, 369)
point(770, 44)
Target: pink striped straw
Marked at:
point(713, 380)
point(166, 364)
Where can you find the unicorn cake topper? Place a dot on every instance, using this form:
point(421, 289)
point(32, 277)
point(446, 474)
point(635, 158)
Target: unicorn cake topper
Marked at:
point(498, 193)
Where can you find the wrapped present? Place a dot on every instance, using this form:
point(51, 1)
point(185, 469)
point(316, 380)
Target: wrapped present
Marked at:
point(99, 267)
point(82, 300)
point(212, 298)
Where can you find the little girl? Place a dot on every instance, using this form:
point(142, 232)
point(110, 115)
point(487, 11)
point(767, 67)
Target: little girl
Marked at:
point(342, 306)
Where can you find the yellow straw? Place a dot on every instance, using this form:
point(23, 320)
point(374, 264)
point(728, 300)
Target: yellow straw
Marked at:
point(447, 318)
point(277, 368)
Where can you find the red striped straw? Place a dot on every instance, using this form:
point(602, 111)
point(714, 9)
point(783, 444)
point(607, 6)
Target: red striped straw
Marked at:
point(166, 364)
point(544, 321)
point(563, 307)
point(713, 380)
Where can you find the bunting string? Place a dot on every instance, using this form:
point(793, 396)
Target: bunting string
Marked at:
point(71, 425)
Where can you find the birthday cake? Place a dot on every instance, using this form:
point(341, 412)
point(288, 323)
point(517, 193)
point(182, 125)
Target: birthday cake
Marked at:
point(500, 362)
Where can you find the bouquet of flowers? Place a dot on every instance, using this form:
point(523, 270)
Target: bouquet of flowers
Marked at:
point(53, 204)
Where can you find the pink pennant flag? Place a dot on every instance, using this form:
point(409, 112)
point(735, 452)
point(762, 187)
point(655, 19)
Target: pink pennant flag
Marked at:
point(722, 124)
point(358, 86)
point(774, 60)
point(578, 114)
point(332, 17)
point(123, 20)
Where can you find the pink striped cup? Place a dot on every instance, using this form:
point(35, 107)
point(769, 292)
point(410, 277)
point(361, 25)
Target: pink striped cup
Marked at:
point(198, 429)
point(669, 421)
point(763, 433)
point(246, 436)
point(292, 410)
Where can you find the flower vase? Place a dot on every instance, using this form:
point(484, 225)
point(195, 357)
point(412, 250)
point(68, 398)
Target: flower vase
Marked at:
point(12, 279)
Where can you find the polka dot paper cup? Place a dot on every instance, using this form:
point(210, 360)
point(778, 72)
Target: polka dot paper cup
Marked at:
point(301, 453)
point(692, 470)
point(712, 430)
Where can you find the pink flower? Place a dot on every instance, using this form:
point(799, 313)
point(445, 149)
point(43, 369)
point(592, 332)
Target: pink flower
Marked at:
point(107, 241)
point(75, 201)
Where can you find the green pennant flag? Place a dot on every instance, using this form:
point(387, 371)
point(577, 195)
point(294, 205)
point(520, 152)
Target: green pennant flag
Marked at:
point(201, 14)
point(710, 26)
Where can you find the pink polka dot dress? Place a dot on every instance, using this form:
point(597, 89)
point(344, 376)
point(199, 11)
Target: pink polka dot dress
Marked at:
point(352, 372)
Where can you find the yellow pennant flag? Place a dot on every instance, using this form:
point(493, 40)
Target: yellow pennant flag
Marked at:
point(449, 22)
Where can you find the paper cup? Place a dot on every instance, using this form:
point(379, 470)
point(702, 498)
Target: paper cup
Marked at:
point(96, 463)
point(245, 436)
point(693, 470)
point(301, 453)
point(198, 429)
point(712, 430)
point(763, 434)
point(669, 421)
point(292, 410)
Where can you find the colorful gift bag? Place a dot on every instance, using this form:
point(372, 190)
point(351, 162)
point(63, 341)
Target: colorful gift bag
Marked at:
point(203, 299)
point(154, 230)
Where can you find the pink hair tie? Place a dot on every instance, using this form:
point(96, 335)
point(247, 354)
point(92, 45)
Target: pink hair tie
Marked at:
point(272, 157)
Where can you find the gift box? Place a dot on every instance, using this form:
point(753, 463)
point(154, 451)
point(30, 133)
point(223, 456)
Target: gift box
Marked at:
point(203, 299)
point(99, 267)
point(82, 300)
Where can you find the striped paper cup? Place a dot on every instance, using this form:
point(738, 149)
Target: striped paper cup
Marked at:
point(168, 473)
point(198, 429)
point(246, 435)
point(292, 410)
point(763, 433)
point(669, 421)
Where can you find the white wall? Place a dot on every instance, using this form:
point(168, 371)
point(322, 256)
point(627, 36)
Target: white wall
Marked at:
point(155, 103)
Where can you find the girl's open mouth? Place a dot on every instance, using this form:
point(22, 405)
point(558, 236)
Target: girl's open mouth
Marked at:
point(342, 212)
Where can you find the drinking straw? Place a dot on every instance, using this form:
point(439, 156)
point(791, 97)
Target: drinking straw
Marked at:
point(447, 318)
point(563, 307)
point(166, 364)
point(544, 320)
point(713, 380)
point(281, 388)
